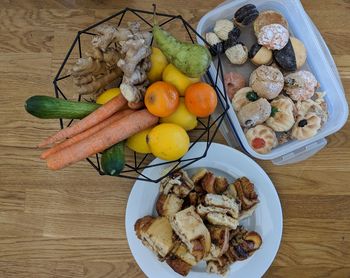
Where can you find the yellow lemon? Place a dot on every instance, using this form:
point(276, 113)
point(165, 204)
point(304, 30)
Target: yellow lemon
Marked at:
point(107, 95)
point(175, 77)
point(158, 64)
point(168, 141)
point(181, 117)
point(138, 142)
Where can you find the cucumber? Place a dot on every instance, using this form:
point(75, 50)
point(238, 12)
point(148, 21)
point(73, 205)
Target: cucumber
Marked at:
point(113, 159)
point(45, 107)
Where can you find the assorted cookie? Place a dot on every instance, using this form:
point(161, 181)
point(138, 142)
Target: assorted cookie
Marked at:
point(281, 103)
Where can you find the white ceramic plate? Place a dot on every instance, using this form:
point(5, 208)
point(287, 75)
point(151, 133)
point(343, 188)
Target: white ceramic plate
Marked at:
point(223, 160)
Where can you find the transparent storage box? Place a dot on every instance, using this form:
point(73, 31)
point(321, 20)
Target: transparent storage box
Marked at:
point(319, 62)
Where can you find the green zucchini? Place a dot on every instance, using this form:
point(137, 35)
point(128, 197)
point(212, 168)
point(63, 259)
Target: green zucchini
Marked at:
point(46, 107)
point(113, 159)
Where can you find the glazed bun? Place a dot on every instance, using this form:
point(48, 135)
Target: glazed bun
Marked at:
point(262, 139)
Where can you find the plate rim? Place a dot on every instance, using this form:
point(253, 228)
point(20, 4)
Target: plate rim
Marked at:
point(214, 145)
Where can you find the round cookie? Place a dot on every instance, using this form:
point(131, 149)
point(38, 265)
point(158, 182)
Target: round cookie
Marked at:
point(260, 55)
point(242, 97)
point(254, 113)
point(292, 56)
point(262, 139)
point(266, 81)
point(267, 18)
point(273, 36)
point(246, 15)
point(300, 85)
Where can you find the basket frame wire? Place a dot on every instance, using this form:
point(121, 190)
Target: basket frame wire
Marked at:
point(205, 125)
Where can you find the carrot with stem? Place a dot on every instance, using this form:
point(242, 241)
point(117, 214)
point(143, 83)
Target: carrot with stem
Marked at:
point(87, 133)
point(103, 139)
point(100, 114)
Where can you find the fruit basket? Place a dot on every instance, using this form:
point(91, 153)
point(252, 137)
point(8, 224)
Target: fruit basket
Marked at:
point(206, 128)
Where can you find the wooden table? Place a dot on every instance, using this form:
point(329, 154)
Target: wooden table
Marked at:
point(71, 223)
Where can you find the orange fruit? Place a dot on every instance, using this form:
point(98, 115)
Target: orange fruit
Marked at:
point(201, 99)
point(161, 99)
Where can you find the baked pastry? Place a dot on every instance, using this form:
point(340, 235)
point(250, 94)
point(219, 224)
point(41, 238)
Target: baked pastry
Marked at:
point(234, 81)
point(222, 28)
point(217, 46)
point(246, 15)
point(168, 205)
point(242, 97)
point(181, 260)
point(292, 56)
point(237, 53)
point(266, 81)
point(261, 138)
point(309, 105)
point(156, 234)
point(273, 36)
point(178, 183)
point(267, 18)
point(300, 85)
point(306, 126)
point(260, 55)
point(189, 227)
point(282, 116)
point(254, 113)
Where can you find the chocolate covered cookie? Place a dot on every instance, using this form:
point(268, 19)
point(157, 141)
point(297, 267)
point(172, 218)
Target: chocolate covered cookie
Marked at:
point(292, 56)
point(260, 55)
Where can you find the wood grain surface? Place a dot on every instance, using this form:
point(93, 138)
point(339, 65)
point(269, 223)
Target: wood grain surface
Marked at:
point(71, 223)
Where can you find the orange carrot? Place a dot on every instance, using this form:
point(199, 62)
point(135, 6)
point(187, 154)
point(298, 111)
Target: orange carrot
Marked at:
point(86, 133)
point(100, 114)
point(103, 139)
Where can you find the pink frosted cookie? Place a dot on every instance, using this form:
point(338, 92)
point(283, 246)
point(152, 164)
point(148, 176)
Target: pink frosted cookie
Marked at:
point(273, 36)
point(233, 82)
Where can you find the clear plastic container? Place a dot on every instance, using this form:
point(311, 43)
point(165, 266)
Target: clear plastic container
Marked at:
point(319, 62)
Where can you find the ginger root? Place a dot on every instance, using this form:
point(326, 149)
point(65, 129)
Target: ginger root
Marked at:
point(96, 71)
point(116, 51)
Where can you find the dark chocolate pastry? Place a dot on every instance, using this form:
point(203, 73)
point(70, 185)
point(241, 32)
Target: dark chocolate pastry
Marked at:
point(260, 55)
point(246, 15)
point(292, 56)
point(217, 49)
point(234, 34)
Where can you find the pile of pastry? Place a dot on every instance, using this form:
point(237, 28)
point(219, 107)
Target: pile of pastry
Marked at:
point(281, 102)
point(199, 219)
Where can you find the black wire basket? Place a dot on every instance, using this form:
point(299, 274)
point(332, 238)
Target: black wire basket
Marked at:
point(206, 129)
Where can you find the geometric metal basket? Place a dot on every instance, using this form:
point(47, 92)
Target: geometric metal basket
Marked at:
point(206, 129)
